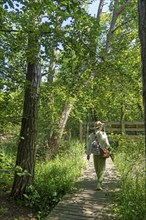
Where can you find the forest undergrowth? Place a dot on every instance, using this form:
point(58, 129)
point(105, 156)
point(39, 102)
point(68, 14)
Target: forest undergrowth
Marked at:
point(130, 161)
point(53, 178)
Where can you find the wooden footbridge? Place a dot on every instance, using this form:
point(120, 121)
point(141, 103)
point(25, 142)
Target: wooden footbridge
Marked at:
point(87, 203)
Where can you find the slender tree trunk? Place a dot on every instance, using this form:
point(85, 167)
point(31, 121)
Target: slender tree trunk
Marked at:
point(50, 123)
point(142, 36)
point(54, 141)
point(100, 8)
point(116, 12)
point(64, 118)
point(52, 134)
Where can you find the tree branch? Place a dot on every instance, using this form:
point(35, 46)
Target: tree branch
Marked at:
point(16, 31)
point(8, 30)
point(123, 23)
point(121, 9)
point(116, 12)
point(100, 7)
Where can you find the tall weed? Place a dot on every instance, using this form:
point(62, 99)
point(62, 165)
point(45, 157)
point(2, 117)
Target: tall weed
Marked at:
point(7, 163)
point(55, 178)
point(129, 158)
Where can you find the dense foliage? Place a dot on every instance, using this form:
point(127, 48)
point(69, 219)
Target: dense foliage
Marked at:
point(99, 86)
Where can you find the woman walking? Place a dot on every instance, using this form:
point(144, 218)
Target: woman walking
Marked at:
point(98, 139)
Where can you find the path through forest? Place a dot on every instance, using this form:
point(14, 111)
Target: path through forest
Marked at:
point(87, 202)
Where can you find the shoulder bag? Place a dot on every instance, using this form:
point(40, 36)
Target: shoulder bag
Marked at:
point(104, 152)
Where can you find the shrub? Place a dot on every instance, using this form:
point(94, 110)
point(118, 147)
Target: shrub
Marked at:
point(130, 162)
point(7, 163)
point(55, 178)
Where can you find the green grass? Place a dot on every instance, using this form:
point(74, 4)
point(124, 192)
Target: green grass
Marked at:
point(53, 178)
point(7, 163)
point(129, 159)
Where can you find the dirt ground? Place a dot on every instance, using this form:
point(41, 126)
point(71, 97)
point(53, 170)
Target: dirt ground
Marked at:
point(10, 210)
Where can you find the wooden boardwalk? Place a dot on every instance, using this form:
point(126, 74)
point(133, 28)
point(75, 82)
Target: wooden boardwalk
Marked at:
point(87, 202)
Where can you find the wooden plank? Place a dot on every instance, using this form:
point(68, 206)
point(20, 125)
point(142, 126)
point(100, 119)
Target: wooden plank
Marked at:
point(134, 122)
point(88, 203)
point(126, 129)
point(134, 129)
point(69, 215)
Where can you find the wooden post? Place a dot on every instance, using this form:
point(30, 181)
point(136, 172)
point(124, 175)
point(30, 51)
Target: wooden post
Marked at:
point(122, 127)
point(81, 131)
point(69, 135)
point(87, 134)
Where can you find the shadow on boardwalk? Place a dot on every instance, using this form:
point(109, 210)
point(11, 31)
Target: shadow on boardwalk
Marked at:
point(87, 202)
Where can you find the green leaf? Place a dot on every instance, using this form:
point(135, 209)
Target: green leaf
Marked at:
point(10, 3)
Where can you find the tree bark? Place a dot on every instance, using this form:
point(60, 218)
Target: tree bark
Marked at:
point(116, 12)
point(142, 37)
point(100, 8)
point(26, 153)
point(55, 139)
point(27, 144)
point(64, 118)
point(52, 130)
point(51, 74)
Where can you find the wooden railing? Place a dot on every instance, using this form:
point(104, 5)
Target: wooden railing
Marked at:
point(130, 128)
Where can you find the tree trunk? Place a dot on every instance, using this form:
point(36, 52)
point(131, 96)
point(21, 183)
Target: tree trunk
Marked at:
point(51, 129)
point(116, 12)
point(64, 118)
point(81, 131)
point(54, 141)
point(27, 144)
point(100, 8)
point(142, 36)
point(50, 123)
point(26, 153)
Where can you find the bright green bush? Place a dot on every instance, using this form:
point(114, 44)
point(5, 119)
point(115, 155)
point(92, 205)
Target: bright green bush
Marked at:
point(129, 159)
point(7, 163)
point(55, 178)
